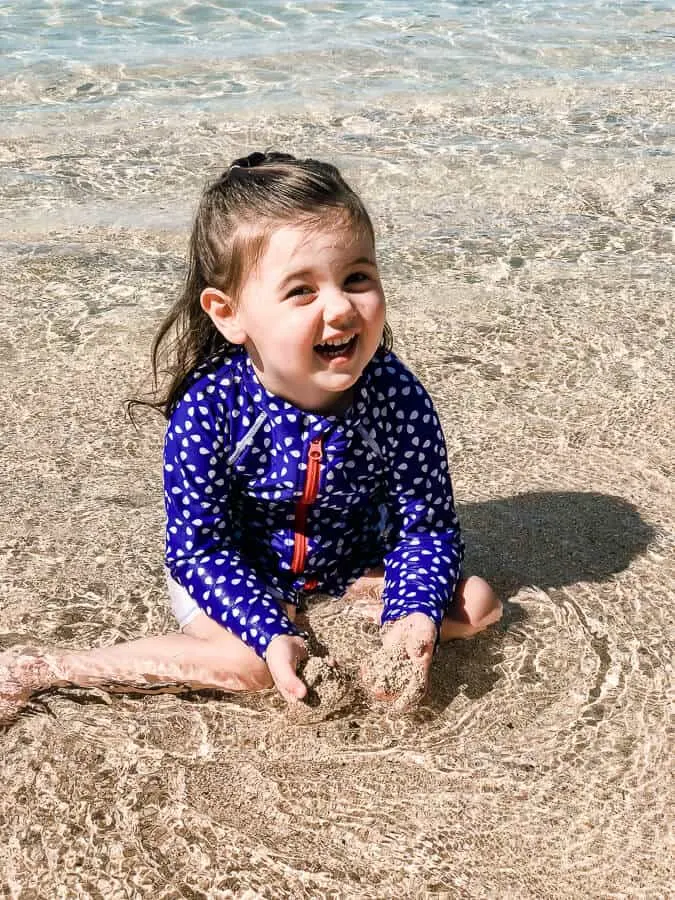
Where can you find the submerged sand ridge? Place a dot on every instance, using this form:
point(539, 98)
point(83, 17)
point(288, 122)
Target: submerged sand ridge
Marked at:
point(530, 290)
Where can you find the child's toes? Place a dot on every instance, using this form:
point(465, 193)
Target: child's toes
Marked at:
point(18, 681)
point(9, 709)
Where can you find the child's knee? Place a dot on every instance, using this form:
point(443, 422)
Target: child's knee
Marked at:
point(479, 604)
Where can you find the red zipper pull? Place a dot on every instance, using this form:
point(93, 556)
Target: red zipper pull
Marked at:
point(314, 457)
point(309, 492)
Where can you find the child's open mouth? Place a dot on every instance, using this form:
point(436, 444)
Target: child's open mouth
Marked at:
point(335, 349)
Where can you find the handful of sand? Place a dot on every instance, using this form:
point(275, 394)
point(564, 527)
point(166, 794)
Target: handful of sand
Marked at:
point(392, 675)
point(327, 690)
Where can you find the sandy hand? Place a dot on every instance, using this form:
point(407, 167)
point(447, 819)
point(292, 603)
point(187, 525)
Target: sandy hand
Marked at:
point(328, 690)
point(399, 671)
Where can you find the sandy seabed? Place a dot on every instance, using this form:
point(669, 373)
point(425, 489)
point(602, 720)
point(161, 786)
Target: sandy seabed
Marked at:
point(528, 272)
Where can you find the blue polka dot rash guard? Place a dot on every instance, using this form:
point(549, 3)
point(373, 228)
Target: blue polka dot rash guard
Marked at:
point(265, 501)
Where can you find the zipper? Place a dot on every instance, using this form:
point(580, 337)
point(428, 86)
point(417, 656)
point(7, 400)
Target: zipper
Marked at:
point(309, 492)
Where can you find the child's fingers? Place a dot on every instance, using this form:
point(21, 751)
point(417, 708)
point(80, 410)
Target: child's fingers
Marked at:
point(393, 675)
point(283, 657)
point(419, 648)
point(290, 686)
point(399, 671)
point(285, 679)
point(414, 691)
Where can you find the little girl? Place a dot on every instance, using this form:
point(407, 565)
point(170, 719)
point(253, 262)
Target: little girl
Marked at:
point(301, 455)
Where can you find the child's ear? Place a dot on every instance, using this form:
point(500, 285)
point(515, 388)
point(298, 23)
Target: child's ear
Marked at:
point(220, 309)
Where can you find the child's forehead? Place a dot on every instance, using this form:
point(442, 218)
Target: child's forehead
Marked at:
point(292, 242)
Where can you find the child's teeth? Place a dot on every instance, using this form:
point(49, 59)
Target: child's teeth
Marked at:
point(335, 343)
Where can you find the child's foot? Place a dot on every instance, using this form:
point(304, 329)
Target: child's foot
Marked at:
point(22, 672)
point(365, 595)
point(366, 609)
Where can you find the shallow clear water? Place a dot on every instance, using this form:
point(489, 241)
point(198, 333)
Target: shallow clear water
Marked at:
point(517, 160)
point(220, 56)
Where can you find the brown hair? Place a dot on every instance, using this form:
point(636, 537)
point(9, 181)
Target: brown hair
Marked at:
point(231, 228)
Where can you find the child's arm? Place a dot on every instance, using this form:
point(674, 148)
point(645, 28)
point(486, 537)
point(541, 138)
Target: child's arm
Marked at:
point(201, 553)
point(422, 569)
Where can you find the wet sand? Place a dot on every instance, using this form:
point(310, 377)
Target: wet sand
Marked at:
point(531, 289)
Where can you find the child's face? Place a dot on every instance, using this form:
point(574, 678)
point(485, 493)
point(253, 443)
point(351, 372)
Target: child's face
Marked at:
point(312, 313)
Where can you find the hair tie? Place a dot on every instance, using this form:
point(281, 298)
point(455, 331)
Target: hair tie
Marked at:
point(249, 162)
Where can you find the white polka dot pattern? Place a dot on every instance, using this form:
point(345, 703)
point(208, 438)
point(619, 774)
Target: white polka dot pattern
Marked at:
point(232, 484)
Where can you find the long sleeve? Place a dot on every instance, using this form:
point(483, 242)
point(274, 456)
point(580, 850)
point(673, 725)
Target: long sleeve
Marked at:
point(201, 547)
point(423, 567)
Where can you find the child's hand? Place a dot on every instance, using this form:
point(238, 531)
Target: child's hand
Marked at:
point(400, 670)
point(416, 632)
point(284, 654)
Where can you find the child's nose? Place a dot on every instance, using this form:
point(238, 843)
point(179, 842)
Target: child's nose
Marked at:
point(339, 309)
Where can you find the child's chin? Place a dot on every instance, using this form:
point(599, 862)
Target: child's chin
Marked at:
point(337, 397)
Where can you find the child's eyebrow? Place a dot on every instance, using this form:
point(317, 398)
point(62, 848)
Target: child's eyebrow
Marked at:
point(363, 259)
point(303, 273)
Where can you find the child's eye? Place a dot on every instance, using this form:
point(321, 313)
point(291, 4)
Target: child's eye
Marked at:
point(302, 290)
point(357, 278)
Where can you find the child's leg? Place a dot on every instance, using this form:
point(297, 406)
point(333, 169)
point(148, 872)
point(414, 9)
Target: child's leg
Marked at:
point(474, 608)
point(205, 655)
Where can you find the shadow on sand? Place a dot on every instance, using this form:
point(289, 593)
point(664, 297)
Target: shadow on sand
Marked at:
point(551, 539)
point(546, 540)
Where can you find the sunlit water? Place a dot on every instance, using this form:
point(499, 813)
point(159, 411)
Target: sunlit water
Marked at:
point(517, 159)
